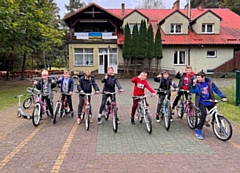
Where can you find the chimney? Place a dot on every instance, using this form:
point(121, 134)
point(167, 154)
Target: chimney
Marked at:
point(123, 9)
point(187, 10)
point(176, 5)
point(201, 7)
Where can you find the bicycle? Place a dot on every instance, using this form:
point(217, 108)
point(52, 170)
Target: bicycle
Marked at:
point(39, 109)
point(86, 109)
point(221, 126)
point(143, 112)
point(32, 91)
point(166, 107)
point(111, 108)
point(61, 107)
point(187, 106)
point(20, 112)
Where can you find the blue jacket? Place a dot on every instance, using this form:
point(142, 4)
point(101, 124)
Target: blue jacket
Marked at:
point(212, 88)
point(70, 84)
point(110, 82)
point(86, 85)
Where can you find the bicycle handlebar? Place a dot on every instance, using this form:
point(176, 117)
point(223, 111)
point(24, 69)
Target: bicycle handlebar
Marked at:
point(112, 93)
point(214, 101)
point(86, 94)
point(182, 90)
point(19, 96)
point(141, 97)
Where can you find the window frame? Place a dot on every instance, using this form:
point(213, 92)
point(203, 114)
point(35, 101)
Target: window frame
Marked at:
point(132, 24)
point(215, 54)
point(83, 55)
point(178, 56)
point(175, 28)
point(206, 25)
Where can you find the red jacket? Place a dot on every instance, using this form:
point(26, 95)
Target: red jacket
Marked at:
point(139, 86)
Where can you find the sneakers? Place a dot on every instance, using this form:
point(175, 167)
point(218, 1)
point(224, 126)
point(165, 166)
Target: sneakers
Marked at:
point(198, 133)
point(157, 118)
point(79, 120)
point(132, 120)
point(91, 121)
point(99, 121)
point(51, 117)
point(72, 114)
point(171, 119)
point(172, 111)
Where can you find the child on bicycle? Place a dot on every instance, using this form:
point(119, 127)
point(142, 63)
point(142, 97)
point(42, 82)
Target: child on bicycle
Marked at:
point(110, 81)
point(45, 85)
point(85, 85)
point(185, 82)
point(165, 83)
point(67, 89)
point(203, 87)
point(140, 83)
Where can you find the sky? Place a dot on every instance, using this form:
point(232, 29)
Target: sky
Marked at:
point(116, 3)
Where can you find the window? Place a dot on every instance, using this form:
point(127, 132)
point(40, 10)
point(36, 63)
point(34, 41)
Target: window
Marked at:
point(176, 28)
point(83, 56)
point(131, 27)
point(207, 28)
point(113, 56)
point(212, 54)
point(180, 58)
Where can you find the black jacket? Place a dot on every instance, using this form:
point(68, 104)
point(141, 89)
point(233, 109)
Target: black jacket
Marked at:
point(86, 85)
point(110, 82)
point(165, 83)
point(51, 85)
point(181, 77)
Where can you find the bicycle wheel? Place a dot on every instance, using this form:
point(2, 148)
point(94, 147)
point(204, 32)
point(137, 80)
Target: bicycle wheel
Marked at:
point(19, 114)
point(180, 108)
point(167, 117)
point(87, 120)
point(114, 120)
point(36, 115)
point(106, 112)
point(192, 118)
point(224, 131)
point(148, 122)
point(27, 102)
point(57, 110)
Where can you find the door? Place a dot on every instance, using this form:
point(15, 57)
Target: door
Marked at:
point(100, 64)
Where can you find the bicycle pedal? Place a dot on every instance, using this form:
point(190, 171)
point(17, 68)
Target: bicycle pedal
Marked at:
point(208, 125)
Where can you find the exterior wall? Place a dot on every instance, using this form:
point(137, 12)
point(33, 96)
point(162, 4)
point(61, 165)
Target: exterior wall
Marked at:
point(175, 18)
point(95, 47)
point(198, 57)
point(135, 17)
point(207, 18)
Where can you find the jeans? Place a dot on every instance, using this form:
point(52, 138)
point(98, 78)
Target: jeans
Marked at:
point(160, 102)
point(203, 114)
point(178, 98)
point(48, 100)
point(81, 104)
point(104, 100)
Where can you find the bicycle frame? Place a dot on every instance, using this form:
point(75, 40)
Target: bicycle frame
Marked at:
point(42, 103)
point(165, 103)
point(112, 103)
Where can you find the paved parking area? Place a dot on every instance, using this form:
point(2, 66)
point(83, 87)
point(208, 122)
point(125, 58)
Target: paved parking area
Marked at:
point(67, 147)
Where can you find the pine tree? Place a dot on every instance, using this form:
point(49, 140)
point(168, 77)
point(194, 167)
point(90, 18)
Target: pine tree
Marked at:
point(135, 46)
point(158, 48)
point(143, 42)
point(126, 52)
point(150, 46)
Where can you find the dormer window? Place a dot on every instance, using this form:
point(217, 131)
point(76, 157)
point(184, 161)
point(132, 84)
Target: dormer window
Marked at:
point(176, 28)
point(131, 27)
point(207, 28)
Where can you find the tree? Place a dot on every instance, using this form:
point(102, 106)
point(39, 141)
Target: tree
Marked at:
point(150, 4)
point(126, 47)
point(233, 5)
point(143, 41)
point(158, 48)
point(150, 45)
point(74, 5)
point(135, 46)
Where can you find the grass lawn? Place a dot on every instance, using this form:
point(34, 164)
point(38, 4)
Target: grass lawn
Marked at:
point(10, 89)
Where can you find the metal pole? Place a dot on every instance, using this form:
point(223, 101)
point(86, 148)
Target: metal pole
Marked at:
point(237, 88)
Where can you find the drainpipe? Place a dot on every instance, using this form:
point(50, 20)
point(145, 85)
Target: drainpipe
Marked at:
point(189, 50)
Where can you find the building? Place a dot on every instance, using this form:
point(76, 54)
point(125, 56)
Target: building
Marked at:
point(203, 38)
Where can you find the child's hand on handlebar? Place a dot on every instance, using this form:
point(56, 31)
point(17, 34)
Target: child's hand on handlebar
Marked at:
point(97, 92)
point(70, 93)
point(224, 99)
point(121, 90)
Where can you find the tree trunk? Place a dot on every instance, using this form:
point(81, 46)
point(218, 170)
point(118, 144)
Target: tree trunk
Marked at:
point(23, 66)
point(135, 66)
point(9, 66)
point(149, 65)
point(44, 60)
point(127, 66)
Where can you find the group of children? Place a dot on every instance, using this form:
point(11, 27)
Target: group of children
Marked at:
point(198, 84)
